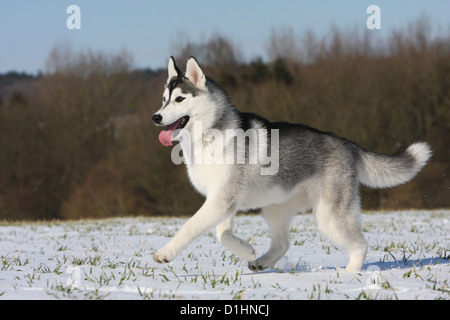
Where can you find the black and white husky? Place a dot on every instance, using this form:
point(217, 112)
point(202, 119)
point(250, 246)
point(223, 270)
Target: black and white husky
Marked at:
point(240, 161)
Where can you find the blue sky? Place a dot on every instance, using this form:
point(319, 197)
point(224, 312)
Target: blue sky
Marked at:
point(147, 29)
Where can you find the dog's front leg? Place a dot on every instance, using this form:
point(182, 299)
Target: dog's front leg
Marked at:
point(212, 212)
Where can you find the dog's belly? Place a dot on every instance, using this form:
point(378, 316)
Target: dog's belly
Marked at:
point(215, 178)
point(259, 193)
point(302, 196)
point(258, 198)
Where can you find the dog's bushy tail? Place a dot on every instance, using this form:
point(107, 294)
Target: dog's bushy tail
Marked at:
point(383, 171)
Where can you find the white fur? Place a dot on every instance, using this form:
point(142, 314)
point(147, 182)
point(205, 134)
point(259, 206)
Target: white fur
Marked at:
point(421, 151)
point(171, 69)
point(380, 171)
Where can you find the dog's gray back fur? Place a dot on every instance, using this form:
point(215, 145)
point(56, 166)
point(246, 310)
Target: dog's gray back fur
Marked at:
point(305, 152)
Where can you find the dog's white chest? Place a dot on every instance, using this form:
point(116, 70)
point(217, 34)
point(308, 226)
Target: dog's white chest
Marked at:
point(207, 177)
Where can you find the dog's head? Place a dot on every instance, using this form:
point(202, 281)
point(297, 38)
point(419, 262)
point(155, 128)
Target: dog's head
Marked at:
point(184, 100)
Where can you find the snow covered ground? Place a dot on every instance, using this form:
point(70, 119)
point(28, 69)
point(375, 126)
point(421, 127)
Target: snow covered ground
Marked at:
point(408, 258)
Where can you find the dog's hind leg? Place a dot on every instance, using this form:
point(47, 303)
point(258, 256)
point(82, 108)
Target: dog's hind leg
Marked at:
point(342, 226)
point(242, 249)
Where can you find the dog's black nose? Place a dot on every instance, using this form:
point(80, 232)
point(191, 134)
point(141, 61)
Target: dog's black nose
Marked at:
point(157, 118)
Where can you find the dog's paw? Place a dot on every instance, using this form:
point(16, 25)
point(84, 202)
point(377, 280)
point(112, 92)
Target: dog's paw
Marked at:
point(160, 259)
point(162, 256)
point(256, 266)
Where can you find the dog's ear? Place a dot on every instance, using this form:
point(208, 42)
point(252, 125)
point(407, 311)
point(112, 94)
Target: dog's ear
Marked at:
point(195, 74)
point(172, 69)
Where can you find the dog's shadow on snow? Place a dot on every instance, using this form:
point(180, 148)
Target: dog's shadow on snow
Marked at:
point(371, 266)
point(404, 264)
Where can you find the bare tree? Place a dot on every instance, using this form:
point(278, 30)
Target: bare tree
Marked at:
point(216, 51)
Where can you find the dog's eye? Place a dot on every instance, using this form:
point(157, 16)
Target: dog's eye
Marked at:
point(164, 99)
point(179, 99)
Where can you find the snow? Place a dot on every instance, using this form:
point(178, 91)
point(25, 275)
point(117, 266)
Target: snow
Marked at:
point(408, 258)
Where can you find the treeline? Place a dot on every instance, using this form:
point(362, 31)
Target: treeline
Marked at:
point(78, 140)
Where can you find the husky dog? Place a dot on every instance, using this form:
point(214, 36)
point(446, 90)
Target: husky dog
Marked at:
point(317, 170)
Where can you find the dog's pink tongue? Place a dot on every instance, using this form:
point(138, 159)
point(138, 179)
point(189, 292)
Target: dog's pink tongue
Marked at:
point(165, 136)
